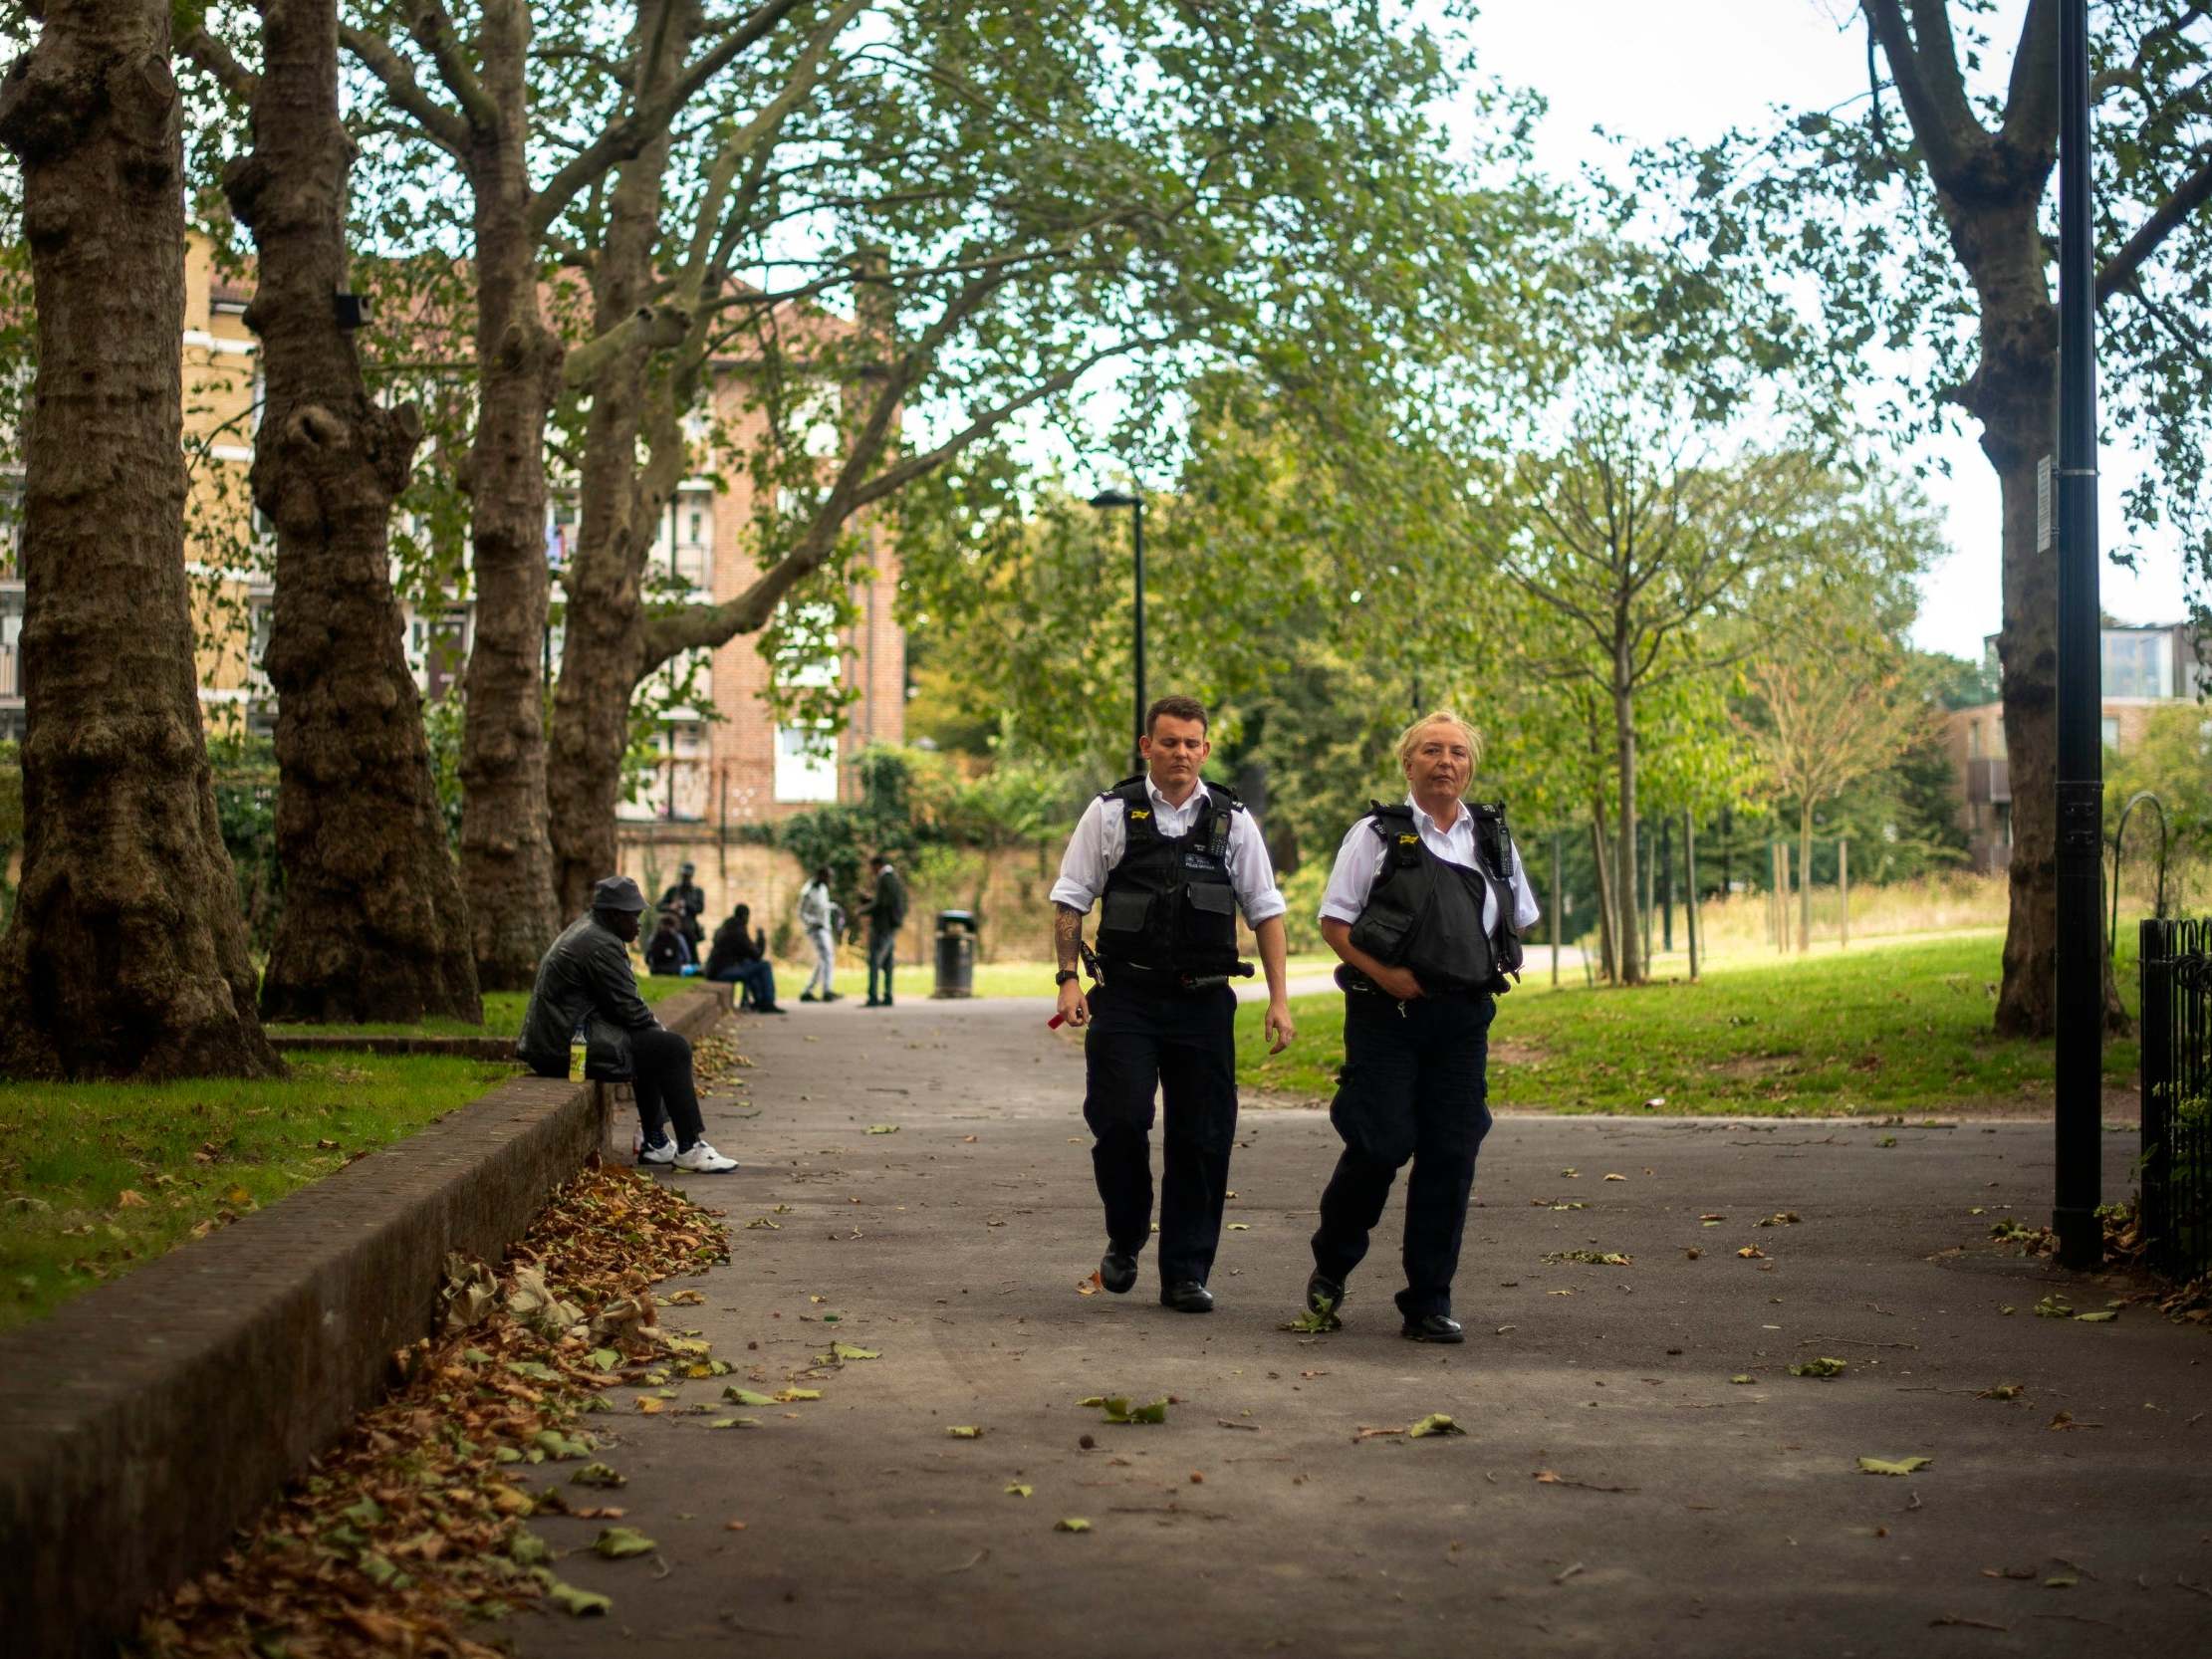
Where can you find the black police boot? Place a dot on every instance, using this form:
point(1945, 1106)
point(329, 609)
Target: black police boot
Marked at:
point(1187, 1296)
point(1325, 1299)
point(1117, 1271)
point(1433, 1328)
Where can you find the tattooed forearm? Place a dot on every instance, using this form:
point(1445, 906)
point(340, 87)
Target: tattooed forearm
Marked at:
point(1066, 934)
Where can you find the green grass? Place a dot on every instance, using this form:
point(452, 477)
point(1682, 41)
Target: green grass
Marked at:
point(1890, 1028)
point(196, 1154)
point(502, 1015)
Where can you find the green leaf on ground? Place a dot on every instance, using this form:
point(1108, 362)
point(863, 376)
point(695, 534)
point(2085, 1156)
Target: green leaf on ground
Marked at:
point(883, 1129)
point(619, 1543)
point(1314, 1321)
point(577, 1604)
point(2054, 1307)
point(1118, 1409)
point(785, 1396)
point(2105, 1317)
point(1819, 1369)
point(1595, 1257)
point(557, 1445)
point(531, 1369)
point(527, 1549)
point(1887, 1141)
point(1434, 1423)
point(1740, 1378)
point(595, 1474)
point(1894, 1465)
point(735, 1423)
point(1070, 1523)
point(964, 1430)
point(1017, 1490)
point(845, 1350)
point(605, 1358)
point(746, 1396)
point(2003, 1391)
point(2060, 1581)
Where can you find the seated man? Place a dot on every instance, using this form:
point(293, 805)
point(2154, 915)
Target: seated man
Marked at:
point(739, 956)
point(668, 952)
point(584, 981)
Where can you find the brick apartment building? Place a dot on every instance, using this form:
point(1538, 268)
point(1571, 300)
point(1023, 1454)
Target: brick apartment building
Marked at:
point(2141, 668)
point(724, 763)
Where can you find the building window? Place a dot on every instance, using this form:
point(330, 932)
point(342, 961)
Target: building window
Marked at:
point(2138, 664)
point(2111, 727)
point(805, 764)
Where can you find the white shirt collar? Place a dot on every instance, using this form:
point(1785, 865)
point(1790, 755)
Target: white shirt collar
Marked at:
point(1160, 800)
point(1423, 821)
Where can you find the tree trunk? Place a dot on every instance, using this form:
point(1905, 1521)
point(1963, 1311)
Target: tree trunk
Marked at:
point(506, 857)
point(603, 655)
point(126, 956)
point(373, 927)
point(1607, 957)
point(1804, 875)
point(1624, 867)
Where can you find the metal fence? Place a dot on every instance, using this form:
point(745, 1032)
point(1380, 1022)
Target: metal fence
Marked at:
point(2177, 1096)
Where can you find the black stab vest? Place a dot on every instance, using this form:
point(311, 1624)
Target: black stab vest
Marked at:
point(1425, 913)
point(1168, 906)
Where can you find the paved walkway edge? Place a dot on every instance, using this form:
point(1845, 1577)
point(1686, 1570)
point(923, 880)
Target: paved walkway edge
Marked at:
point(144, 1421)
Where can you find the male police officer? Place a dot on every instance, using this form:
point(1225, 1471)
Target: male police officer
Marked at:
point(1174, 858)
point(1424, 907)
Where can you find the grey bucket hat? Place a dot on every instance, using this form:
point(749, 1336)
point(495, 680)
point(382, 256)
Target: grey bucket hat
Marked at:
point(617, 892)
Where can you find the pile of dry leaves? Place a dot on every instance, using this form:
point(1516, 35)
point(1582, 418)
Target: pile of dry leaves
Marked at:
point(2126, 1251)
point(412, 1525)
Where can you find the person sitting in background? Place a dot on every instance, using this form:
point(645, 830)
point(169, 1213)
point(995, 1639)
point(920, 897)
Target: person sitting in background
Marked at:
point(739, 956)
point(668, 952)
point(584, 982)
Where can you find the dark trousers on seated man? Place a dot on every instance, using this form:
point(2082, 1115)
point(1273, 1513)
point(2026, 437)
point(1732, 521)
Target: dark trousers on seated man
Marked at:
point(1413, 1089)
point(660, 1073)
point(1182, 1046)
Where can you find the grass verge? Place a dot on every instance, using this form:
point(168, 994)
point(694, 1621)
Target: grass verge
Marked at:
point(1903, 1027)
point(96, 1178)
point(502, 1016)
point(413, 1526)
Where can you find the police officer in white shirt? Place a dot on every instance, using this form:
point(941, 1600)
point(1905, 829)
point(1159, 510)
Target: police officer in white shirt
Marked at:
point(1425, 908)
point(1174, 858)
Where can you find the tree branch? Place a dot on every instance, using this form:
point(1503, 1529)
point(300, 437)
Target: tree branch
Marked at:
point(439, 124)
point(212, 55)
point(2121, 268)
point(2032, 96)
point(432, 29)
point(1934, 103)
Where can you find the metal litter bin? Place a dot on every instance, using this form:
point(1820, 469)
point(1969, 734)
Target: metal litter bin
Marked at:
point(956, 935)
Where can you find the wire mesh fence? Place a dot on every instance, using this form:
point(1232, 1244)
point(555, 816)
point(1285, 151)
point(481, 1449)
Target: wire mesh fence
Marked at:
point(2176, 967)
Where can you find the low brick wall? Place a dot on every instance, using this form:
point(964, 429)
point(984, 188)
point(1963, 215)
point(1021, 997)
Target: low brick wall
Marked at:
point(146, 1420)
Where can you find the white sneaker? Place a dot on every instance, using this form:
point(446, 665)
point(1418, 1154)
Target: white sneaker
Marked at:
point(662, 1151)
point(701, 1159)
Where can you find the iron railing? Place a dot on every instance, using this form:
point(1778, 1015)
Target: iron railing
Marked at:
point(2176, 973)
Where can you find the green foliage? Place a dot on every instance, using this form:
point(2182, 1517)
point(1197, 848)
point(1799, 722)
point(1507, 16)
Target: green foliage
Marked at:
point(2172, 760)
point(245, 773)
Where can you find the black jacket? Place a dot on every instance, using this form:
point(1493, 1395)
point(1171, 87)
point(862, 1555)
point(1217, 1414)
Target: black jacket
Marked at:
point(732, 945)
point(583, 981)
point(887, 908)
point(668, 951)
point(688, 895)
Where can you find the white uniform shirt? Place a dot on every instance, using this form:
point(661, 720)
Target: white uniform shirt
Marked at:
point(1103, 835)
point(1359, 861)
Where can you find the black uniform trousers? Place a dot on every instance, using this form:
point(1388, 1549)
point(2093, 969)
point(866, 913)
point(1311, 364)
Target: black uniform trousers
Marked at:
point(1182, 1044)
point(1413, 1089)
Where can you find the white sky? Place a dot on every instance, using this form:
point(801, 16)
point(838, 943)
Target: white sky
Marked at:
point(1649, 70)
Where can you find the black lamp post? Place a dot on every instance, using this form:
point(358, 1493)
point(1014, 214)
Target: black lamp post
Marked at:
point(2079, 1015)
point(1135, 504)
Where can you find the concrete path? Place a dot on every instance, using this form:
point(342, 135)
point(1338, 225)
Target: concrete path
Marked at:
point(1615, 1492)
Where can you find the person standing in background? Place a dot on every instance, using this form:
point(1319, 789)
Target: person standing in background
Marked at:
point(886, 911)
point(818, 917)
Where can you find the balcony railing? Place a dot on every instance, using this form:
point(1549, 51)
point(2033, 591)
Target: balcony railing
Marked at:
point(1989, 779)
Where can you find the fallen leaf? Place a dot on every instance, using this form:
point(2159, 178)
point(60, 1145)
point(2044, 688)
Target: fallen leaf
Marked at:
point(2003, 1391)
point(1434, 1423)
point(1089, 1287)
point(1894, 1465)
point(595, 1474)
point(735, 1423)
point(1752, 1253)
point(577, 1604)
point(1243, 1227)
point(845, 1350)
point(1819, 1369)
point(1887, 1141)
point(883, 1129)
point(1617, 1177)
point(2060, 1581)
point(785, 1397)
point(1740, 1379)
point(733, 1525)
point(1017, 1490)
point(2105, 1318)
point(129, 1200)
point(1070, 1523)
point(620, 1543)
point(650, 1406)
point(964, 1430)
point(746, 1396)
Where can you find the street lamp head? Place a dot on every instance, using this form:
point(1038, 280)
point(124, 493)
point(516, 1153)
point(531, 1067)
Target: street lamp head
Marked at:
point(1113, 497)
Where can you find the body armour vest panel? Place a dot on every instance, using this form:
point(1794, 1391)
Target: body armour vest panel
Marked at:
point(1425, 913)
point(1168, 905)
